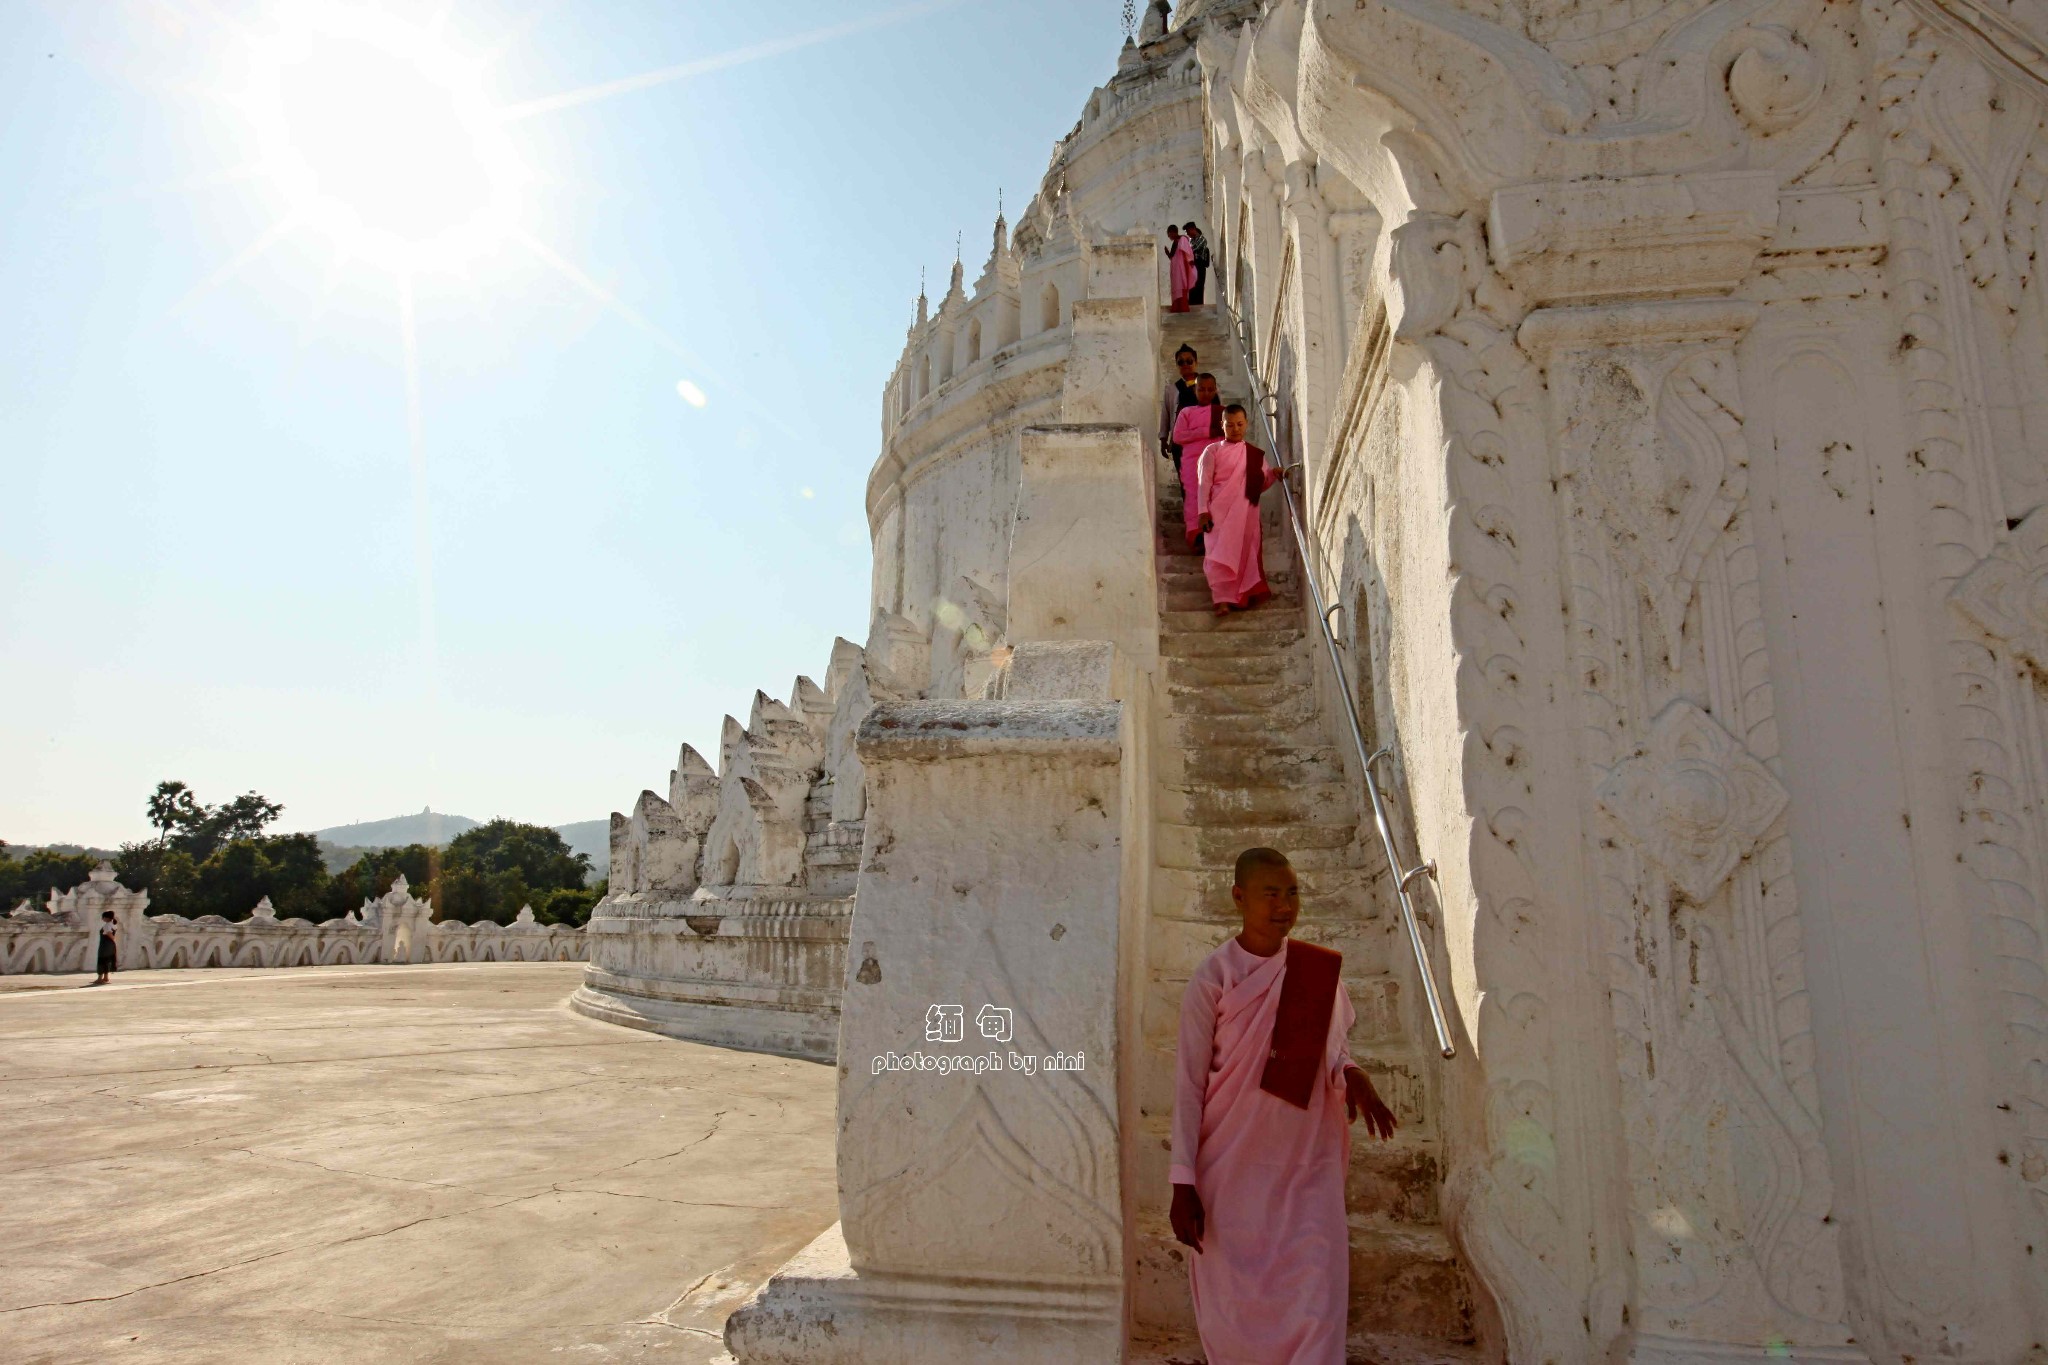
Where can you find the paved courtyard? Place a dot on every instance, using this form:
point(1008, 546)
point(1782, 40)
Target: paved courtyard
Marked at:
point(366, 1164)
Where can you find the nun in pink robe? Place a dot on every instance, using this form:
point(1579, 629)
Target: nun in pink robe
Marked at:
point(1224, 478)
point(1196, 426)
point(1181, 270)
point(1274, 1273)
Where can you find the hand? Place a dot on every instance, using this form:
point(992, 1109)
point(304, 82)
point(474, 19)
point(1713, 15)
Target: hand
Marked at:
point(1359, 1098)
point(1187, 1216)
point(1208, 522)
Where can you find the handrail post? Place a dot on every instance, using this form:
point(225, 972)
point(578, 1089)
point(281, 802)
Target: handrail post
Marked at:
point(1267, 404)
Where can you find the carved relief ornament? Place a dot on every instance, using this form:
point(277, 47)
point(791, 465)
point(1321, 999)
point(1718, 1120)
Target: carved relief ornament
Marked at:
point(2006, 595)
point(1694, 797)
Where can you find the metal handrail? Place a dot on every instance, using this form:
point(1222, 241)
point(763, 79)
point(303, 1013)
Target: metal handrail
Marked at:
point(1266, 405)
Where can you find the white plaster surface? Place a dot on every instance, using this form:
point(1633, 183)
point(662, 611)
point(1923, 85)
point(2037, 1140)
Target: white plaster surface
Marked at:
point(980, 1202)
point(1667, 379)
point(1667, 376)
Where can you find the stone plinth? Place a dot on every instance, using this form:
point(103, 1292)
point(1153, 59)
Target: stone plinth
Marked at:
point(978, 1158)
point(761, 974)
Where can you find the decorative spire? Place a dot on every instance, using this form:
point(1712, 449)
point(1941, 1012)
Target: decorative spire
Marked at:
point(1130, 18)
point(924, 305)
point(1156, 19)
point(1001, 264)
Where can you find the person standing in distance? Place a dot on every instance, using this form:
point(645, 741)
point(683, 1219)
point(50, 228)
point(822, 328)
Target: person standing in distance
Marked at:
point(109, 954)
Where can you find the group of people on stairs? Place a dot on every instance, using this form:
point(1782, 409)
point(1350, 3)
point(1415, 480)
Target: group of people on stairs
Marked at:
point(1265, 1089)
point(1222, 477)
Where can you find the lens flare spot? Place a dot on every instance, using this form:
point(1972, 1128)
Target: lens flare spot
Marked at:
point(808, 493)
point(690, 393)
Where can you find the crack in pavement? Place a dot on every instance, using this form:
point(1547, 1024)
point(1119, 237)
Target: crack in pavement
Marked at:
point(336, 1170)
point(284, 1251)
point(685, 1203)
point(235, 1141)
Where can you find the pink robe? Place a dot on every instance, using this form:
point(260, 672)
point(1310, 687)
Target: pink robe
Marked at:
point(1193, 429)
point(1181, 271)
point(1274, 1274)
point(1231, 552)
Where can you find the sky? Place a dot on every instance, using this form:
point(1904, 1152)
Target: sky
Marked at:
point(397, 413)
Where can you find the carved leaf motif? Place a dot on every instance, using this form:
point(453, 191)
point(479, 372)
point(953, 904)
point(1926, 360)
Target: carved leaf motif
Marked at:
point(1029, 1217)
point(2007, 593)
point(1694, 798)
point(1668, 487)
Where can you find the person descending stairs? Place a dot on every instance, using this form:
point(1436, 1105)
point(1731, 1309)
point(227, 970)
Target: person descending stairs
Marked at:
point(1243, 760)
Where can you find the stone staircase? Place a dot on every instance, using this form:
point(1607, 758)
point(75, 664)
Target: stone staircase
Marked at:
point(1243, 758)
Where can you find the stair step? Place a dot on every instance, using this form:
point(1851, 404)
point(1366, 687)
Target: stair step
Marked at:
point(1392, 1348)
point(1247, 632)
point(1203, 736)
point(1363, 1348)
point(1316, 803)
point(1267, 616)
point(1377, 1042)
point(1294, 765)
point(1200, 602)
point(1405, 1282)
point(1389, 1182)
point(1188, 568)
point(1290, 666)
point(1329, 889)
point(1237, 698)
point(1218, 845)
point(1396, 1069)
point(1176, 945)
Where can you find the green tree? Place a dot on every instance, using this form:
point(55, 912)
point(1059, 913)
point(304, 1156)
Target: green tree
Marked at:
point(35, 876)
point(169, 875)
point(182, 822)
point(371, 875)
point(287, 868)
point(171, 807)
point(492, 870)
point(216, 860)
point(569, 906)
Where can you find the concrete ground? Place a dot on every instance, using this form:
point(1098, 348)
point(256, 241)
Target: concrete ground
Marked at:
point(367, 1164)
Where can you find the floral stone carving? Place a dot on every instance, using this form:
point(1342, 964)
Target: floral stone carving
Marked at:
point(1694, 798)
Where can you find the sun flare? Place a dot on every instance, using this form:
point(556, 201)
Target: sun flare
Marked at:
point(381, 138)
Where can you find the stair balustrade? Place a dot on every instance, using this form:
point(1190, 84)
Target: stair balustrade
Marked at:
point(1267, 406)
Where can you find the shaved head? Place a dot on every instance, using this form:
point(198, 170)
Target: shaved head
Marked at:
point(1255, 859)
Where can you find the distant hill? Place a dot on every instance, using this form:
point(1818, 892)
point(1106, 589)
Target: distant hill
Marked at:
point(23, 850)
point(428, 827)
point(593, 837)
point(342, 842)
